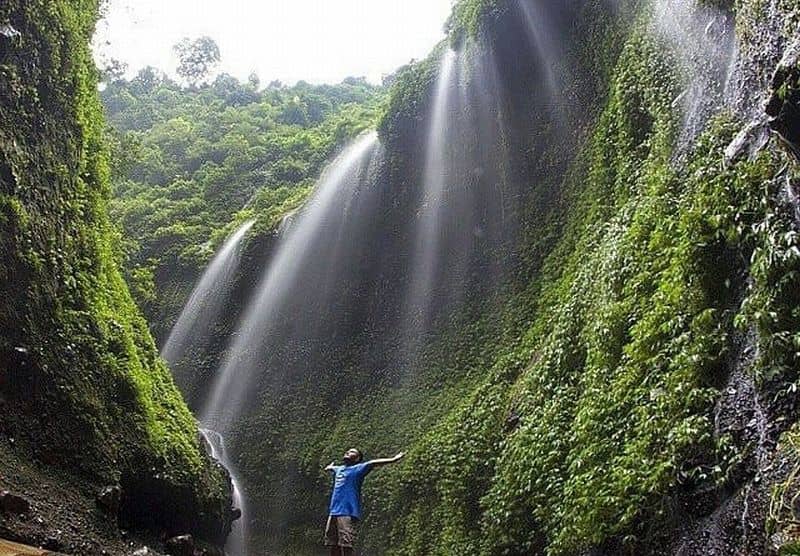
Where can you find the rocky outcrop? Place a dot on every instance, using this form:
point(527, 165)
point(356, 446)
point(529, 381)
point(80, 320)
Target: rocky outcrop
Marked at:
point(13, 503)
point(783, 106)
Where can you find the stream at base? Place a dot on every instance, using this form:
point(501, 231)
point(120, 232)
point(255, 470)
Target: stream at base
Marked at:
point(236, 544)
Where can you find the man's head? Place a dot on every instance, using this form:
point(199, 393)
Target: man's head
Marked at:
point(353, 456)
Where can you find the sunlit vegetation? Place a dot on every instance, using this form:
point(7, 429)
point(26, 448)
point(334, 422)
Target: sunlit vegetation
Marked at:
point(81, 384)
point(190, 162)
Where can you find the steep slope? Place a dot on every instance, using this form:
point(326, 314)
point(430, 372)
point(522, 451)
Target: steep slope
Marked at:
point(651, 386)
point(86, 403)
point(566, 282)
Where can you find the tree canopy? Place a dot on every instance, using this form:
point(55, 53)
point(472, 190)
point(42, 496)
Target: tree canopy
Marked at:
point(197, 59)
point(189, 161)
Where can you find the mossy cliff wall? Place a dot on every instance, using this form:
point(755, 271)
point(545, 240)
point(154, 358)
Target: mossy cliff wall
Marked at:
point(637, 406)
point(630, 387)
point(81, 386)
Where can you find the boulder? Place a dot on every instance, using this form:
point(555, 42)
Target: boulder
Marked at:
point(109, 499)
point(747, 143)
point(13, 504)
point(182, 545)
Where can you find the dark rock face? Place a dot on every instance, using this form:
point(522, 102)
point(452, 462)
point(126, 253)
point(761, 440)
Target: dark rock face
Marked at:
point(783, 106)
point(155, 502)
point(109, 499)
point(13, 504)
point(182, 545)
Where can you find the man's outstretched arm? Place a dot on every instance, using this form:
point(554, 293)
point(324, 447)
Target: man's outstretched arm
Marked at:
point(384, 461)
point(331, 466)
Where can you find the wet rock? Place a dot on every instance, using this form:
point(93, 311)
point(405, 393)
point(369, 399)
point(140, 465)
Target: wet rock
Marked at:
point(703, 502)
point(182, 545)
point(109, 499)
point(8, 32)
point(747, 143)
point(235, 514)
point(144, 551)
point(13, 504)
point(783, 106)
point(53, 542)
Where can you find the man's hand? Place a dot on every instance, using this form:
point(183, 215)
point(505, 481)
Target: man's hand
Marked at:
point(331, 466)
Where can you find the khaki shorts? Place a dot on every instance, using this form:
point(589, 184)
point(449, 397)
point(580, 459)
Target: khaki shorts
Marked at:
point(341, 531)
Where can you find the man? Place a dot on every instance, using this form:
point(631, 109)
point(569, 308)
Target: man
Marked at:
point(345, 508)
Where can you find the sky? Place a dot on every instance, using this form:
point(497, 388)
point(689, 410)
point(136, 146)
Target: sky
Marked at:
point(319, 41)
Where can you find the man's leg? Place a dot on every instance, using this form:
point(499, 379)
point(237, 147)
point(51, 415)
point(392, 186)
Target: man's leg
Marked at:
point(332, 536)
point(347, 535)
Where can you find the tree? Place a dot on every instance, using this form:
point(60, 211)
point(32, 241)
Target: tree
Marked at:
point(254, 81)
point(197, 59)
point(146, 80)
point(113, 70)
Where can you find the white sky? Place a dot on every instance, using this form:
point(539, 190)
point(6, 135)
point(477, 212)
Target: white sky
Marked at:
point(319, 41)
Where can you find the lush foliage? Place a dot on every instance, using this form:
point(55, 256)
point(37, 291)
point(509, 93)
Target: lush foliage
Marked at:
point(581, 412)
point(576, 408)
point(80, 380)
point(190, 161)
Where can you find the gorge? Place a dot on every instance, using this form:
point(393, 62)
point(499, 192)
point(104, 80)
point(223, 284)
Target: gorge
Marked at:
point(557, 261)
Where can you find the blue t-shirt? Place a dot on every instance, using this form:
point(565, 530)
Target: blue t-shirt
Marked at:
point(346, 495)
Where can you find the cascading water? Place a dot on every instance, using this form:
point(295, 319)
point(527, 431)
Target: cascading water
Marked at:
point(469, 200)
point(193, 328)
point(207, 299)
point(310, 242)
point(364, 271)
point(702, 38)
point(318, 223)
point(435, 181)
point(236, 544)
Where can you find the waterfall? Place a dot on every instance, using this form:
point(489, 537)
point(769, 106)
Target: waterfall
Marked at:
point(193, 328)
point(702, 39)
point(467, 201)
point(306, 249)
point(309, 247)
point(236, 544)
point(341, 270)
point(427, 243)
point(206, 302)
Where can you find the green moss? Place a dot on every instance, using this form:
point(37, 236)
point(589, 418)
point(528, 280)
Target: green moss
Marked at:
point(615, 380)
point(91, 366)
point(469, 17)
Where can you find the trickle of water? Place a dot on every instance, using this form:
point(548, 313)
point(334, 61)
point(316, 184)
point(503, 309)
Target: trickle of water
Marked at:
point(236, 544)
point(207, 299)
point(703, 41)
